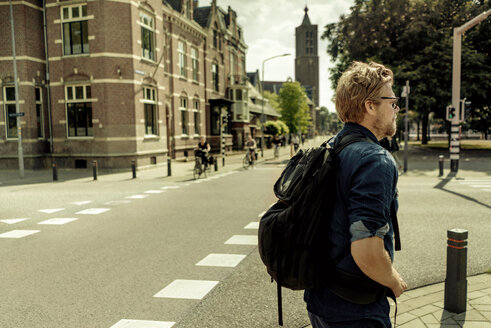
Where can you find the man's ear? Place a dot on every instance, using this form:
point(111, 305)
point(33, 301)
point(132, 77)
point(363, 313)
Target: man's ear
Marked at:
point(369, 107)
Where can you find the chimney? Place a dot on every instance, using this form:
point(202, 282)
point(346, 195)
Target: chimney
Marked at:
point(195, 4)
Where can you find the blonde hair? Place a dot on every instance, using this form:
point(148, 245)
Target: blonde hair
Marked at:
point(359, 83)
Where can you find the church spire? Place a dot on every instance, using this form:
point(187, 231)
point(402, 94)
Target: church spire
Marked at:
point(306, 19)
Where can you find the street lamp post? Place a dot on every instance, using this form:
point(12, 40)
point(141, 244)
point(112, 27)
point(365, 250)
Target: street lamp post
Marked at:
point(262, 100)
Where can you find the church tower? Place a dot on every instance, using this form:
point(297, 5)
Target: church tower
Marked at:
point(306, 58)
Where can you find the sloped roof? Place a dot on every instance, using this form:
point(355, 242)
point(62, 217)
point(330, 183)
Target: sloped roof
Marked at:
point(306, 19)
point(201, 15)
point(175, 4)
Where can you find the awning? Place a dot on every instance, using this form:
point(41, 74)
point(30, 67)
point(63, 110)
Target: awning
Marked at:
point(221, 102)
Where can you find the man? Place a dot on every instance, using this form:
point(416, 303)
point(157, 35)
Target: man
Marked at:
point(362, 229)
point(251, 145)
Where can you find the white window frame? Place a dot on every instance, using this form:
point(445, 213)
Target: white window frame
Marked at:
point(184, 115)
point(150, 98)
point(197, 118)
point(68, 19)
point(148, 25)
point(86, 99)
point(195, 63)
point(181, 49)
point(39, 102)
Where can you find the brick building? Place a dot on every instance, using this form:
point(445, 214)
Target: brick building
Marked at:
point(127, 80)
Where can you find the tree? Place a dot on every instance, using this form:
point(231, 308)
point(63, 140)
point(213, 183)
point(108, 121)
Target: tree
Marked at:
point(293, 106)
point(414, 39)
point(329, 122)
point(273, 99)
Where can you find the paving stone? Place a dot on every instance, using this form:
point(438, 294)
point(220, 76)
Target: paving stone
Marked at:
point(429, 318)
point(472, 315)
point(438, 325)
point(481, 300)
point(416, 293)
point(482, 307)
point(405, 317)
point(424, 310)
point(475, 294)
point(417, 323)
point(487, 315)
point(475, 324)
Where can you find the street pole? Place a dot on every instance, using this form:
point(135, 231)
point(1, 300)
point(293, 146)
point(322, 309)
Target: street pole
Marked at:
point(262, 100)
point(406, 128)
point(456, 74)
point(20, 152)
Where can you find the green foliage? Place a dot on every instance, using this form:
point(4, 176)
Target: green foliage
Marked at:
point(294, 108)
point(272, 128)
point(273, 100)
point(284, 128)
point(415, 39)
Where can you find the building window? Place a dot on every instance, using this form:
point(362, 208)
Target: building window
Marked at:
point(148, 36)
point(215, 39)
point(214, 76)
point(182, 58)
point(232, 68)
point(9, 106)
point(150, 111)
point(75, 30)
point(79, 110)
point(39, 112)
point(184, 115)
point(195, 63)
point(196, 116)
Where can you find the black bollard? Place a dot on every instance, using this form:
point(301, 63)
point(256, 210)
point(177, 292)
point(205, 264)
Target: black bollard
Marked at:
point(94, 169)
point(440, 164)
point(55, 172)
point(456, 279)
point(133, 168)
point(216, 165)
point(223, 161)
point(169, 169)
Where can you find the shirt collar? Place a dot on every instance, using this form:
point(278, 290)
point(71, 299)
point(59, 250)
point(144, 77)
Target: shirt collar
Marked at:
point(351, 127)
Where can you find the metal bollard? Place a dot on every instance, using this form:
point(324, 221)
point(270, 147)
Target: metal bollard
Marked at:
point(216, 165)
point(169, 169)
point(223, 161)
point(133, 168)
point(440, 164)
point(456, 279)
point(94, 169)
point(55, 172)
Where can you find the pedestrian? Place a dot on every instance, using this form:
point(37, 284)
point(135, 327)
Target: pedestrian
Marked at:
point(362, 228)
point(295, 142)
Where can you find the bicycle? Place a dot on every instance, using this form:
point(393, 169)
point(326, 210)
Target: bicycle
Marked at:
point(249, 158)
point(200, 168)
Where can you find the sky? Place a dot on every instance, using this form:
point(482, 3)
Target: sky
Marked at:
point(269, 30)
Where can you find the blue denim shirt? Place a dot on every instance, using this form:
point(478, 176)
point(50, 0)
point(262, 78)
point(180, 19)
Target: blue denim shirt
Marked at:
point(366, 188)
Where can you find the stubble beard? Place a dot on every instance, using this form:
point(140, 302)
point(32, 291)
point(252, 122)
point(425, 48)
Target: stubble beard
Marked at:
point(386, 130)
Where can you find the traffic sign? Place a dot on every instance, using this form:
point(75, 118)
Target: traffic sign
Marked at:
point(16, 114)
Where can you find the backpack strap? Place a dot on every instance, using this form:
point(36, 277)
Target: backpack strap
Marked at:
point(348, 139)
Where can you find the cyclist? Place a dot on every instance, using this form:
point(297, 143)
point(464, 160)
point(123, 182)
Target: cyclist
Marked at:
point(202, 150)
point(251, 144)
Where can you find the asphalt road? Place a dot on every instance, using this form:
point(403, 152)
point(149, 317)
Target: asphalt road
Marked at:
point(103, 268)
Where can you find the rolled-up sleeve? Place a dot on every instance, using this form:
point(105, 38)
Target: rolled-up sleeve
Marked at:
point(370, 195)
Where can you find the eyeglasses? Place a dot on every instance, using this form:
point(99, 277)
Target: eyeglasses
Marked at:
point(394, 104)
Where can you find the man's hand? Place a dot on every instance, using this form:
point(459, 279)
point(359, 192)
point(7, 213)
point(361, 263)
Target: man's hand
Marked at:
point(374, 261)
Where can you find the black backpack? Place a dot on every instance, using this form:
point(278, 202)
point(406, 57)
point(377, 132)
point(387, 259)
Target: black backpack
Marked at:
point(292, 234)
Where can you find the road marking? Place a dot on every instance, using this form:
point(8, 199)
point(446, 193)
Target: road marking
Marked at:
point(94, 211)
point(480, 186)
point(51, 210)
point(170, 187)
point(116, 202)
point(261, 214)
point(188, 289)
point(85, 202)
point(221, 260)
point(18, 233)
point(126, 323)
point(13, 221)
point(154, 191)
point(58, 221)
point(137, 196)
point(242, 240)
point(252, 225)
